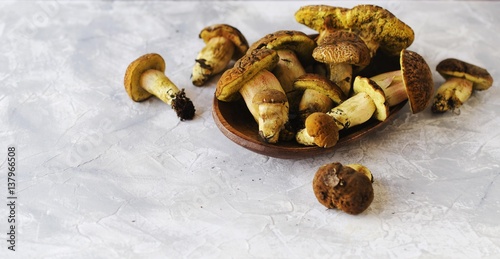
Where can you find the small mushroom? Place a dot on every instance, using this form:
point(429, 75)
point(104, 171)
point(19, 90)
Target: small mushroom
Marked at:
point(320, 94)
point(145, 77)
point(343, 187)
point(265, 98)
point(340, 50)
point(368, 101)
point(376, 26)
point(413, 82)
point(461, 79)
point(223, 44)
point(320, 130)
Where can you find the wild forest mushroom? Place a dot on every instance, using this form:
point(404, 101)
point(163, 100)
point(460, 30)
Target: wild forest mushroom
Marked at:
point(413, 82)
point(294, 49)
point(343, 187)
point(265, 98)
point(376, 26)
point(341, 50)
point(461, 79)
point(145, 77)
point(320, 130)
point(223, 44)
point(319, 94)
point(368, 101)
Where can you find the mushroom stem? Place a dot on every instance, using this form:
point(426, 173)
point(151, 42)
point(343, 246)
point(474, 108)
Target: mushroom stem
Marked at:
point(158, 84)
point(341, 74)
point(393, 86)
point(266, 101)
point(353, 111)
point(313, 101)
point(212, 59)
point(452, 94)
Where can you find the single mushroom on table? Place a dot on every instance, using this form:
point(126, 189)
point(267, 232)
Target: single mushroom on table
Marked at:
point(412, 82)
point(266, 100)
point(146, 77)
point(376, 26)
point(345, 187)
point(223, 44)
point(461, 79)
point(341, 50)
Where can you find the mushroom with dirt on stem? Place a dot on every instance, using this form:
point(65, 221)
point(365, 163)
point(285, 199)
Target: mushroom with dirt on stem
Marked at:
point(250, 78)
point(461, 79)
point(345, 187)
point(412, 82)
point(146, 77)
point(223, 44)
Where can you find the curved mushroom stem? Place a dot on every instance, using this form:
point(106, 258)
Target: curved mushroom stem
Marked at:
point(212, 59)
point(353, 111)
point(393, 86)
point(267, 102)
point(158, 84)
point(341, 74)
point(452, 94)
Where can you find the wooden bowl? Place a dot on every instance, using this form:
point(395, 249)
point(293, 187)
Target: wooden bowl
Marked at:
point(235, 121)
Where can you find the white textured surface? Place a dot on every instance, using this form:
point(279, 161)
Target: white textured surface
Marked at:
point(100, 176)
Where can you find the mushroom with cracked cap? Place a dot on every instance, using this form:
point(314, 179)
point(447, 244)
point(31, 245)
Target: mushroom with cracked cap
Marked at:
point(376, 26)
point(266, 100)
point(345, 187)
point(413, 82)
point(461, 79)
point(145, 77)
point(223, 44)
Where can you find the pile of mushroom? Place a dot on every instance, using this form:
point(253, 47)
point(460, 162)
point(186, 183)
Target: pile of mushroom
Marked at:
point(287, 77)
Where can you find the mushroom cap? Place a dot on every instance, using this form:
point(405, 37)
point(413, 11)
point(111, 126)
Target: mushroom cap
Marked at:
point(243, 70)
point(479, 76)
point(269, 95)
point(229, 32)
point(132, 80)
point(342, 47)
point(366, 85)
point(370, 22)
point(296, 41)
point(323, 129)
point(321, 84)
point(342, 187)
point(417, 78)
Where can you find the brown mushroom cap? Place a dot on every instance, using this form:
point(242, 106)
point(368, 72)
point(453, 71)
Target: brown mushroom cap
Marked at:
point(342, 47)
point(363, 84)
point(370, 22)
point(296, 41)
point(479, 76)
point(269, 95)
point(342, 187)
point(132, 80)
point(417, 78)
point(243, 70)
point(229, 32)
point(323, 129)
point(321, 84)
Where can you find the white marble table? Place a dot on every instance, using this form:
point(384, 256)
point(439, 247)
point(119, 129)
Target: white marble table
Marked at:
point(100, 176)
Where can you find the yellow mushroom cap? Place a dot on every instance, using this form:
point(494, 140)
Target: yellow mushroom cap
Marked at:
point(321, 84)
point(132, 80)
point(368, 86)
point(229, 32)
point(243, 70)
